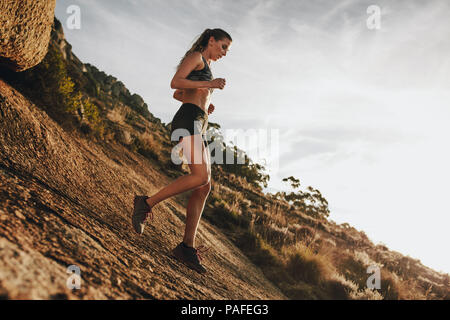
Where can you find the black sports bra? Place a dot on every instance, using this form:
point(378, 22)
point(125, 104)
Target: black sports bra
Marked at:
point(201, 75)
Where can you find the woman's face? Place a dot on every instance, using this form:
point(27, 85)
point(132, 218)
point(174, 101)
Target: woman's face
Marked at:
point(219, 48)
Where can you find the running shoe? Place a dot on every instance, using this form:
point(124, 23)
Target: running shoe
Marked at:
point(191, 257)
point(141, 212)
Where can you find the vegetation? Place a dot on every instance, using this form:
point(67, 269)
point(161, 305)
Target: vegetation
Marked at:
point(242, 165)
point(48, 86)
point(311, 201)
point(305, 255)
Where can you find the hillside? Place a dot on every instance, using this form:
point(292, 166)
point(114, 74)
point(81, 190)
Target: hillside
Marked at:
point(67, 201)
point(76, 146)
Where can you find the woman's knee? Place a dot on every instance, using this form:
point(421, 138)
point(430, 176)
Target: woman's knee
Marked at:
point(207, 182)
point(201, 172)
point(205, 188)
point(203, 179)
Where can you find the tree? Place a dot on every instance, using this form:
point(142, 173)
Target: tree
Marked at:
point(310, 201)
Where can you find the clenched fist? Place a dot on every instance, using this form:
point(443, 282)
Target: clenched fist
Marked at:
point(211, 108)
point(218, 83)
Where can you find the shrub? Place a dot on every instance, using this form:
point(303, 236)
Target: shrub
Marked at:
point(242, 165)
point(223, 217)
point(144, 149)
point(48, 86)
point(299, 291)
point(305, 265)
point(354, 269)
point(259, 251)
point(389, 287)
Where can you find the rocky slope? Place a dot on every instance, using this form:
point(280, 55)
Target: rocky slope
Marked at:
point(67, 201)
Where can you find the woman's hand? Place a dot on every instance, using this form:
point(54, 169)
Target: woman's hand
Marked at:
point(211, 108)
point(218, 83)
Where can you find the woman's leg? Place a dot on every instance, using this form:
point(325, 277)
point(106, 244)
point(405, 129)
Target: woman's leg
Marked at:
point(192, 147)
point(196, 205)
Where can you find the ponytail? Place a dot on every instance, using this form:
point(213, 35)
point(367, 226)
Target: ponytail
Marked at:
point(202, 41)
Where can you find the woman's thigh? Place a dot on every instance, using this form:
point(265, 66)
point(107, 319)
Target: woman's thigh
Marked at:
point(196, 155)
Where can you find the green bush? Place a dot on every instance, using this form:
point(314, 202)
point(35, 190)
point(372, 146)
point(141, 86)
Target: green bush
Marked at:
point(48, 86)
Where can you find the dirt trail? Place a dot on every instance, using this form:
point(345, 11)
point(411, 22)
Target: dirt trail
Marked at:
point(67, 201)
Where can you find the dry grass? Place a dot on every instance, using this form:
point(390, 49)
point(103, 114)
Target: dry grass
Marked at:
point(117, 115)
point(148, 146)
point(305, 257)
point(303, 264)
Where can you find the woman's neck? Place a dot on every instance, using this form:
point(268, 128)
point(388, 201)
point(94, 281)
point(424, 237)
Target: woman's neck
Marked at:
point(207, 56)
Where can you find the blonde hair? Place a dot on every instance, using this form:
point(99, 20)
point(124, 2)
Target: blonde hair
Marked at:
point(202, 41)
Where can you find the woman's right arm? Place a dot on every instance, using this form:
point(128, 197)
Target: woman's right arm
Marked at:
point(191, 62)
point(179, 80)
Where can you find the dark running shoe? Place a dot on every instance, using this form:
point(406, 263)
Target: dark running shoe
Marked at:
point(190, 256)
point(141, 211)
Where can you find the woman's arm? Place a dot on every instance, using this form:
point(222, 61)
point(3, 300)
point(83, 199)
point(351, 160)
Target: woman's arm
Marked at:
point(179, 80)
point(191, 62)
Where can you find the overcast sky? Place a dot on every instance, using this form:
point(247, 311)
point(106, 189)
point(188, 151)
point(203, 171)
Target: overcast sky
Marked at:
point(362, 114)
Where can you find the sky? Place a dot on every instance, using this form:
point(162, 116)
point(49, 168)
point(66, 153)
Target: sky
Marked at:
point(355, 99)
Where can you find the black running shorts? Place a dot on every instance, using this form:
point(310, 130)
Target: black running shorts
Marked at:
point(191, 118)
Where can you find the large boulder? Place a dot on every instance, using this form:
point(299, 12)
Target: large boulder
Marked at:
point(24, 32)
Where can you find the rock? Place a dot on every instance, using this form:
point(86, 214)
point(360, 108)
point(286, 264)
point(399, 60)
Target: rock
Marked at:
point(3, 215)
point(19, 214)
point(24, 32)
point(137, 101)
point(118, 88)
point(27, 274)
point(110, 80)
point(66, 48)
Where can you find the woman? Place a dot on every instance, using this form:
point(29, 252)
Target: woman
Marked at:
point(194, 84)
